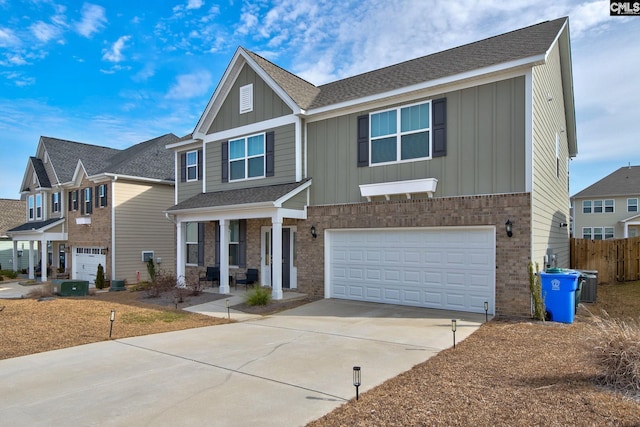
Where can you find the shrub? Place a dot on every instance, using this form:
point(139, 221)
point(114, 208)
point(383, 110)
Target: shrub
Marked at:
point(46, 290)
point(100, 283)
point(536, 293)
point(9, 274)
point(151, 269)
point(258, 296)
point(163, 281)
point(617, 353)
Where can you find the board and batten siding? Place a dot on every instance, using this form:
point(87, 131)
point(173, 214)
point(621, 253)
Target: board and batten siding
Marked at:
point(550, 192)
point(284, 163)
point(140, 225)
point(485, 149)
point(266, 104)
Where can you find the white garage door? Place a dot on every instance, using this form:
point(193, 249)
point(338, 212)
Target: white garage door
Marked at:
point(85, 263)
point(447, 268)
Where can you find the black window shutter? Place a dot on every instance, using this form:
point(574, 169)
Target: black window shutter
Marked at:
point(77, 196)
point(225, 161)
point(69, 207)
point(269, 151)
point(217, 226)
point(97, 196)
point(363, 140)
point(183, 167)
point(52, 199)
point(201, 243)
point(439, 123)
point(199, 165)
point(242, 243)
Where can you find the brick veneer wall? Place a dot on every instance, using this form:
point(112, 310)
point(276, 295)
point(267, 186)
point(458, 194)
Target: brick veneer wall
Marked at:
point(512, 254)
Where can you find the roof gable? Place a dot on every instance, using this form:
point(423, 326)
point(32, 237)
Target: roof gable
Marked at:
point(623, 182)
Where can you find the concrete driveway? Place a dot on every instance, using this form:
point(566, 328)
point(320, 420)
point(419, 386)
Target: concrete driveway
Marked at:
point(283, 370)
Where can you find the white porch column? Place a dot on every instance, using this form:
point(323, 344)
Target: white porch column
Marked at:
point(31, 272)
point(180, 252)
point(276, 264)
point(224, 256)
point(15, 255)
point(43, 259)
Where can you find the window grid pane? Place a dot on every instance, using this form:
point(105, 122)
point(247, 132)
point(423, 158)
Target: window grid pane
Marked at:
point(383, 150)
point(415, 145)
point(632, 205)
point(383, 123)
point(236, 149)
point(586, 206)
point(255, 145)
point(414, 118)
point(608, 206)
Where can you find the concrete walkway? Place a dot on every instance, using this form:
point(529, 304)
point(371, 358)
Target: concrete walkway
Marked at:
point(281, 370)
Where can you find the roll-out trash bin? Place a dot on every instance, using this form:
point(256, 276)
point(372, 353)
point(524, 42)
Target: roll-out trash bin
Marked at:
point(559, 292)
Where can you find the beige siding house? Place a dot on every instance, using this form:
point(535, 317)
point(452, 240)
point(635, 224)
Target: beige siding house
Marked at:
point(609, 208)
point(90, 205)
point(430, 183)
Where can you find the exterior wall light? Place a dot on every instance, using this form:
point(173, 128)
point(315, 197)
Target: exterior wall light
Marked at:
point(508, 226)
point(313, 231)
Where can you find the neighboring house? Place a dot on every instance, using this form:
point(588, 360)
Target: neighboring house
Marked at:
point(90, 205)
point(608, 209)
point(393, 186)
point(11, 215)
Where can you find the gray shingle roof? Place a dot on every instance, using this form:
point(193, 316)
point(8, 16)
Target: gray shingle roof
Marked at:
point(512, 46)
point(35, 225)
point(13, 213)
point(237, 197)
point(623, 182)
point(41, 172)
point(149, 159)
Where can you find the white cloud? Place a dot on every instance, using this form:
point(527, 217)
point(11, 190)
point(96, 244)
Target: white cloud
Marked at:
point(191, 85)
point(195, 4)
point(114, 54)
point(93, 20)
point(45, 32)
point(8, 38)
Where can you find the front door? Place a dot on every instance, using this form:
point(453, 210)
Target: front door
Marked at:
point(288, 269)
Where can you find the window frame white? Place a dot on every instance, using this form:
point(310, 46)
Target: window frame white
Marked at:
point(233, 243)
point(609, 203)
point(246, 158)
point(193, 166)
point(87, 200)
point(31, 208)
point(399, 134)
point(102, 195)
point(38, 206)
point(630, 205)
point(188, 242)
point(55, 202)
point(587, 209)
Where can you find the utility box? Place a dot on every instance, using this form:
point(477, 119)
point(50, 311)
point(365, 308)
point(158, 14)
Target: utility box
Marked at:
point(117, 285)
point(589, 286)
point(74, 288)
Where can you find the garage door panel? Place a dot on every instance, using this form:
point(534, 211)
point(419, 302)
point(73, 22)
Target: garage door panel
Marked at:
point(438, 268)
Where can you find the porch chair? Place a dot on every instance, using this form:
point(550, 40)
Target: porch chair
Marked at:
point(250, 278)
point(212, 275)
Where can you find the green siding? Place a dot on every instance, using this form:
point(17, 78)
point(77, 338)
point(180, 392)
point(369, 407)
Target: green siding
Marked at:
point(485, 149)
point(266, 104)
point(284, 163)
point(186, 190)
point(299, 201)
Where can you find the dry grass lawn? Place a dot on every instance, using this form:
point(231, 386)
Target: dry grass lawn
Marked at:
point(510, 372)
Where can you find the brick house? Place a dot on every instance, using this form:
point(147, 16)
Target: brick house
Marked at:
point(430, 183)
point(90, 205)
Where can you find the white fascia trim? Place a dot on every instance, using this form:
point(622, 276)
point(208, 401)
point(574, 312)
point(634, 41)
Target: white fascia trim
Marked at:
point(138, 178)
point(76, 174)
point(528, 131)
point(454, 82)
point(278, 203)
point(252, 128)
point(182, 143)
point(298, 148)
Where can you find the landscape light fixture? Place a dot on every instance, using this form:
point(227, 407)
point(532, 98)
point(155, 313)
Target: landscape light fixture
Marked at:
point(454, 326)
point(313, 231)
point(356, 380)
point(228, 311)
point(112, 318)
point(486, 311)
point(508, 226)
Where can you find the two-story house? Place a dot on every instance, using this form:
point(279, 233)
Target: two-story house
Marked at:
point(89, 205)
point(430, 183)
point(608, 209)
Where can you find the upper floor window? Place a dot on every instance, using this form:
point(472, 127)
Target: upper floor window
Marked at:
point(598, 206)
point(86, 200)
point(632, 205)
point(246, 99)
point(192, 166)
point(38, 206)
point(401, 134)
point(586, 206)
point(247, 157)
point(609, 206)
point(73, 200)
point(31, 207)
point(101, 197)
point(55, 202)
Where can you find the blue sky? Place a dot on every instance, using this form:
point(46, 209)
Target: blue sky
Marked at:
point(116, 73)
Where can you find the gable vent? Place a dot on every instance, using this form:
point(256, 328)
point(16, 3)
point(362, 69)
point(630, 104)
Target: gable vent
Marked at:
point(246, 99)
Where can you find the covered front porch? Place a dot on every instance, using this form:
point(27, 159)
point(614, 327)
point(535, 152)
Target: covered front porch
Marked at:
point(240, 229)
point(50, 237)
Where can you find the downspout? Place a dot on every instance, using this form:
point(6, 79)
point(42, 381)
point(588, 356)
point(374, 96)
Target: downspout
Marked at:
point(113, 228)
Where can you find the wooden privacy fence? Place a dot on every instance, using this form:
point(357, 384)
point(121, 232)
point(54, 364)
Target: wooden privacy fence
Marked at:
point(617, 260)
